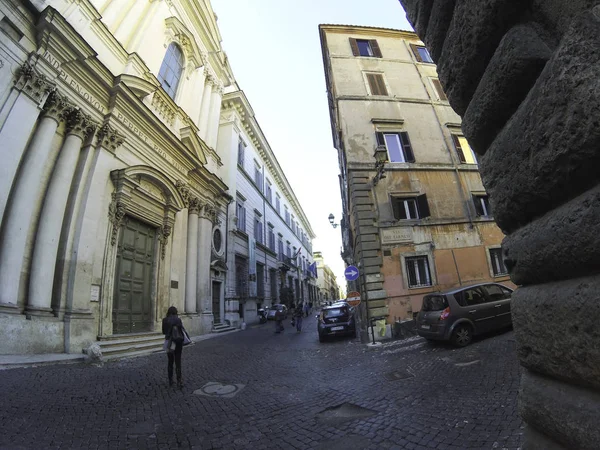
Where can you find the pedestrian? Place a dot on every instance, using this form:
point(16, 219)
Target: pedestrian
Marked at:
point(310, 305)
point(279, 318)
point(172, 328)
point(306, 309)
point(298, 317)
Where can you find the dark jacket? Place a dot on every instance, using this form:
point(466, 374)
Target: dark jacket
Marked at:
point(168, 323)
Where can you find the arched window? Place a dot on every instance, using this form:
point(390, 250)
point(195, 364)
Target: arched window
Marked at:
point(170, 69)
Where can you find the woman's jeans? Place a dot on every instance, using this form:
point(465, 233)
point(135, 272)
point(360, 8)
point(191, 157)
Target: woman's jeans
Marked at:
point(175, 357)
point(298, 323)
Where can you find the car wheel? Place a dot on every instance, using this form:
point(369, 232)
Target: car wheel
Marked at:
point(462, 335)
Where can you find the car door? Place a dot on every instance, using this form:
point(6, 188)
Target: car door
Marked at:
point(479, 309)
point(500, 297)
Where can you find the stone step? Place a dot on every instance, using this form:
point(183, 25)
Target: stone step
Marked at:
point(128, 345)
point(222, 328)
point(129, 336)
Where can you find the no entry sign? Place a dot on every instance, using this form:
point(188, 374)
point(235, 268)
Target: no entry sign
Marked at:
point(353, 298)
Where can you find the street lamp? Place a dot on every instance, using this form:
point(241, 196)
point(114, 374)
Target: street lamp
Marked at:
point(381, 157)
point(332, 221)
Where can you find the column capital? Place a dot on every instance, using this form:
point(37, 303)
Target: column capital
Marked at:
point(116, 214)
point(195, 205)
point(109, 138)
point(79, 123)
point(33, 84)
point(184, 190)
point(56, 106)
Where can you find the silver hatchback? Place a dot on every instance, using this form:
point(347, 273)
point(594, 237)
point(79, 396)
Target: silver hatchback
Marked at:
point(460, 313)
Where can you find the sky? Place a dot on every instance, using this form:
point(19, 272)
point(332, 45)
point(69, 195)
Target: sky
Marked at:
point(274, 50)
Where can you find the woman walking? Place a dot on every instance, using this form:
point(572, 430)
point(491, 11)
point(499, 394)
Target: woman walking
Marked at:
point(298, 317)
point(172, 328)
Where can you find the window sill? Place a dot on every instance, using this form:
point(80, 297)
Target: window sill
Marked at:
point(420, 287)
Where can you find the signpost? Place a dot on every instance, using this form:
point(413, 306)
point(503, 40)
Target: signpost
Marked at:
point(353, 299)
point(351, 273)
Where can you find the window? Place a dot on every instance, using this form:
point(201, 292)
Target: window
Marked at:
point(289, 250)
point(287, 216)
point(241, 216)
point(280, 246)
point(498, 266)
point(482, 205)
point(463, 149)
point(258, 180)
point(410, 207)
point(241, 153)
point(439, 89)
point(260, 280)
point(258, 230)
point(421, 53)
point(496, 292)
point(398, 146)
point(271, 238)
point(376, 84)
point(273, 281)
point(278, 203)
point(269, 192)
point(365, 47)
point(417, 269)
point(470, 297)
point(171, 69)
point(241, 276)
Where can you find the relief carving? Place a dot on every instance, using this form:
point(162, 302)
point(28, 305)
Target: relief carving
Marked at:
point(33, 84)
point(194, 205)
point(56, 106)
point(163, 236)
point(163, 109)
point(116, 214)
point(110, 138)
point(184, 190)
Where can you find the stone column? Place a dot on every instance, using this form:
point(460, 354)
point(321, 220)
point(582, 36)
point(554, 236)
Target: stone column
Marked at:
point(51, 219)
point(214, 116)
point(191, 263)
point(29, 93)
point(204, 258)
point(205, 109)
point(27, 189)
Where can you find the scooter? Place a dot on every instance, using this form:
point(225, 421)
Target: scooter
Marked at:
point(262, 316)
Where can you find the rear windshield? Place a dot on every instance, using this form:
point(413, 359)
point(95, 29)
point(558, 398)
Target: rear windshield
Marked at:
point(334, 312)
point(435, 303)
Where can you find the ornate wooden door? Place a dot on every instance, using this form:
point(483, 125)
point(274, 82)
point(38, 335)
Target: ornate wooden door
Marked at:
point(132, 302)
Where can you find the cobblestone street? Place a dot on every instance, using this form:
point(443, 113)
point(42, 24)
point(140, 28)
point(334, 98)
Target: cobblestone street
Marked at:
point(274, 391)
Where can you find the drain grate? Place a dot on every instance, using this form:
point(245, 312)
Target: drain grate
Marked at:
point(344, 412)
point(399, 375)
point(216, 389)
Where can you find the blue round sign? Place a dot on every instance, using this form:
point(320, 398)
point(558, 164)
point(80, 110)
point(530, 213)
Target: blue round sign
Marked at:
point(351, 273)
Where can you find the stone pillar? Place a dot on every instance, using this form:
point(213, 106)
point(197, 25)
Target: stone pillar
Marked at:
point(51, 219)
point(191, 263)
point(214, 116)
point(524, 79)
point(24, 103)
point(204, 259)
point(205, 109)
point(27, 189)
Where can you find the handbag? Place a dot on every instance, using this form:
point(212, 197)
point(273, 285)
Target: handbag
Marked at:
point(186, 338)
point(293, 322)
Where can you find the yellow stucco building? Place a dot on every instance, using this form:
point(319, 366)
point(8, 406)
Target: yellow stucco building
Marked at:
point(419, 220)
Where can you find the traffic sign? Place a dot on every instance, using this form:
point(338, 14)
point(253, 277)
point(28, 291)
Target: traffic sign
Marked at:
point(353, 299)
point(351, 273)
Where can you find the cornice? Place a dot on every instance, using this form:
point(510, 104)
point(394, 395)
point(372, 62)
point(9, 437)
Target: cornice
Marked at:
point(370, 31)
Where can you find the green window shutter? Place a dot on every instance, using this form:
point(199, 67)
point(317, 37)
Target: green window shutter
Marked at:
point(354, 47)
point(375, 48)
point(415, 51)
point(409, 156)
point(423, 206)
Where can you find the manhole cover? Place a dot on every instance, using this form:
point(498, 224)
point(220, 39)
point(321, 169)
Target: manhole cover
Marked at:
point(343, 412)
point(216, 389)
point(399, 375)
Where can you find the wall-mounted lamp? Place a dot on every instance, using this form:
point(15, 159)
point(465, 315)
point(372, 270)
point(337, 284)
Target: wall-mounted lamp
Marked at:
point(381, 157)
point(332, 221)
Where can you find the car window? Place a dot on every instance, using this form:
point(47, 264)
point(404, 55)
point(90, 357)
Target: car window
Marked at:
point(434, 303)
point(496, 292)
point(335, 312)
point(473, 296)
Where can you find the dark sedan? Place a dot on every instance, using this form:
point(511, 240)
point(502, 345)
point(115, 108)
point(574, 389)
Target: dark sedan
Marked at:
point(336, 320)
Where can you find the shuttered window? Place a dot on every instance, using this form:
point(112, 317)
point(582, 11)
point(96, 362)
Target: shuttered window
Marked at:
point(463, 150)
point(498, 266)
point(376, 84)
point(421, 53)
point(440, 91)
point(417, 271)
point(406, 208)
point(365, 47)
point(482, 205)
point(398, 146)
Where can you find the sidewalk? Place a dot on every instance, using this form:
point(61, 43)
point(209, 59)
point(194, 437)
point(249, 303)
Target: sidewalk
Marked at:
point(16, 361)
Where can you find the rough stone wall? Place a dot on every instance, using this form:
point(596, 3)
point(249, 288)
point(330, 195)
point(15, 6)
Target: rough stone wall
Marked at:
point(524, 75)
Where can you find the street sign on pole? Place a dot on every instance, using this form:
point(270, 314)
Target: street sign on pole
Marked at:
point(351, 273)
point(353, 299)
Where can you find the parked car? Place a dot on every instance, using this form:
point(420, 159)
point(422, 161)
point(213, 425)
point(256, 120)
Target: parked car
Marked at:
point(460, 313)
point(274, 308)
point(336, 319)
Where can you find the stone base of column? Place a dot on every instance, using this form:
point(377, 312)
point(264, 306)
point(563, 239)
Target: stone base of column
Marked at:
point(22, 336)
point(207, 319)
point(9, 308)
point(39, 311)
point(80, 330)
point(191, 322)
